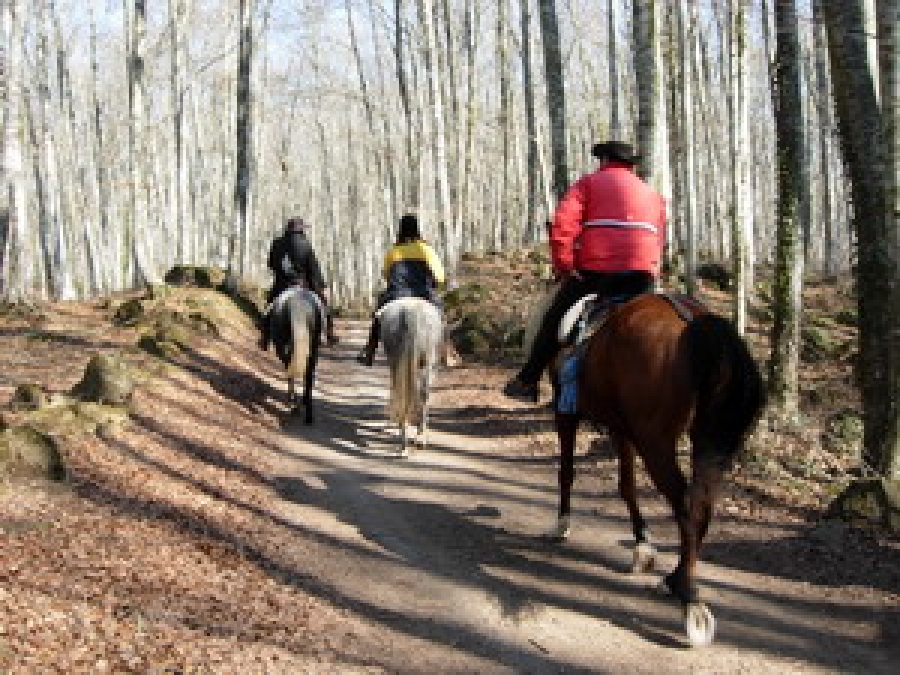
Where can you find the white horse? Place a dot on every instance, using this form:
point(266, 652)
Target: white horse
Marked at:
point(411, 332)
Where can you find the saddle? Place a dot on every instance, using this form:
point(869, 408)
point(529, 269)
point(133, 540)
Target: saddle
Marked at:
point(589, 314)
point(585, 318)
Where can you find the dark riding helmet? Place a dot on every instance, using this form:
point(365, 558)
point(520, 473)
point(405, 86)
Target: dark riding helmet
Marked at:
point(409, 229)
point(296, 224)
point(615, 151)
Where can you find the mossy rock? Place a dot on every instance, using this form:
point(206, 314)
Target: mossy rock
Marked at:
point(75, 418)
point(130, 313)
point(847, 317)
point(28, 396)
point(21, 310)
point(476, 334)
point(817, 345)
point(871, 503)
point(193, 275)
point(106, 380)
point(249, 298)
point(157, 292)
point(539, 257)
point(715, 273)
point(467, 294)
point(26, 452)
point(168, 340)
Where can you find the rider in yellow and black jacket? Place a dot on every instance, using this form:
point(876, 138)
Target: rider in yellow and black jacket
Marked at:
point(411, 269)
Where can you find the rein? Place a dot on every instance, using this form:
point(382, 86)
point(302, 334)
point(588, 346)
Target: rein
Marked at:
point(685, 306)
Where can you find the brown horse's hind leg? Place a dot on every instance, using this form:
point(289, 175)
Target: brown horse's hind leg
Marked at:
point(644, 555)
point(662, 465)
point(566, 430)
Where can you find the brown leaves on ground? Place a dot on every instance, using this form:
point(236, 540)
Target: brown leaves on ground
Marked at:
point(163, 553)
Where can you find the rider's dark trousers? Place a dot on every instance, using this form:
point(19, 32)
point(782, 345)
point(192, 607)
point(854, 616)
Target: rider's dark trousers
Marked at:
point(604, 284)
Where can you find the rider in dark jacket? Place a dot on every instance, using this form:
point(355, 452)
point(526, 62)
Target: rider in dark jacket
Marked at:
point(294, 263)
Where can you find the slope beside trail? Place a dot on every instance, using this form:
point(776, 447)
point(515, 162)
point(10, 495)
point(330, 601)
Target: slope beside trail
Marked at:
point(212, 532)
point(442, 551)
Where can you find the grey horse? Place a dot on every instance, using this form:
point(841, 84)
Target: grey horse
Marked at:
point(296, 326)
point(411, 332)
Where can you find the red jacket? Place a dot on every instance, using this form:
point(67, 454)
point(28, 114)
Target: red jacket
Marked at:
point(609, 221)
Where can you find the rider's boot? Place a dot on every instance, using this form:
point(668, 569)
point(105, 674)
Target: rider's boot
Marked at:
point(330, 336)
point(367, 355)
point(264, 337)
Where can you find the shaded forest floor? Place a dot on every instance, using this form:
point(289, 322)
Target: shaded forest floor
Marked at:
point(159, 552)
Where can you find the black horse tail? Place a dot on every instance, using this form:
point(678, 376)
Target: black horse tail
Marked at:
point(728, 387)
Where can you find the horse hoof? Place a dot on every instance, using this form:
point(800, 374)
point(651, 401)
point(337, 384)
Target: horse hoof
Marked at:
point(562, 529)
point(644, 559)
point(699, 623)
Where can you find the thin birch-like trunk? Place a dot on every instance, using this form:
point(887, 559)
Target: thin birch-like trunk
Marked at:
point(556, 95)
point(784, 359)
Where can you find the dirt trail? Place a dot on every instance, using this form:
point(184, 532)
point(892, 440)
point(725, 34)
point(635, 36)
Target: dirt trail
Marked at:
point(440, 558)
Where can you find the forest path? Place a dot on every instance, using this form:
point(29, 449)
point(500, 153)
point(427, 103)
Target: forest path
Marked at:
point(439, 554)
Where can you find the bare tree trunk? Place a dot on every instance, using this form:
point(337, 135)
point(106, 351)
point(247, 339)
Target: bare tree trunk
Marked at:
point(15, 249)
point(533, 228)
point(884, 446)
point(139, 178)
point(556, 95)
point(615, 115)
point(244, 148)
point(439, 135)
point(741, 238)
point(411, 186)
point(784, 360)
point(689, 169)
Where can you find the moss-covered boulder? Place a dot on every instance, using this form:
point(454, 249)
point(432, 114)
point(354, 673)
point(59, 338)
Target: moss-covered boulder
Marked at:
point(193, 275)
point(167, 340)
point(249, 297)
point(130, 313)
point(464, 296)
point(474, 334)
point(539, 257)
point(157, 292)
point(847, 317)
point(106, 379)
point(715, 273)
point(26, 452)
point(871, 503)
point(28, 396)
point(817, 345)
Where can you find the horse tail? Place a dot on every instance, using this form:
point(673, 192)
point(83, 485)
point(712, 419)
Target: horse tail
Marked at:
point(405, 369)
point(728, 387)
point(300, 337)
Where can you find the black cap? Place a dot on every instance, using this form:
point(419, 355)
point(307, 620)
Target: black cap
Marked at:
point(296, 224)
point(615, 151)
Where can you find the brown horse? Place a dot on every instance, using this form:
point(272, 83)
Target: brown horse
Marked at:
point(649, 375)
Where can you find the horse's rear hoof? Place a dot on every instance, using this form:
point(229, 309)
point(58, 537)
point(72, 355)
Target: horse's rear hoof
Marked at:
point(700, 624)
point(561, 531)
point(308, 420)
point(644, 559)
